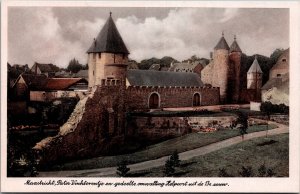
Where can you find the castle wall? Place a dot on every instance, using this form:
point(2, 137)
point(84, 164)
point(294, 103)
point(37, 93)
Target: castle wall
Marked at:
point(138, 97)
point(207, 73)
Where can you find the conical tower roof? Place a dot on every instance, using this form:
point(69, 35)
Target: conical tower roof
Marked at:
point(234, 46)
point(108, 40)
point(222, 44)
point(255, 68)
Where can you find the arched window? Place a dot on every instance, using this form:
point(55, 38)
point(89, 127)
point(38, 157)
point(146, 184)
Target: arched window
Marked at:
point(154, 101)
point(196, 99)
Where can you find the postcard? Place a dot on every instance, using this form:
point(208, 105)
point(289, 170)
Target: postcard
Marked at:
point(150, 96)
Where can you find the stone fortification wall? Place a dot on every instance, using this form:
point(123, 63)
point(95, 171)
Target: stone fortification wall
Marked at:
point(138, 97)
point(234, 76)
point(94, 127)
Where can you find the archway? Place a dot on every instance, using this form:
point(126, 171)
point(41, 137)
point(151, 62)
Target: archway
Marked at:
point(154, 101)
point(196, 99)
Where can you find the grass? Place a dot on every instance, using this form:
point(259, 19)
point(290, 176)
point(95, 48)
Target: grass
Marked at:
point(181, 144)
point(251, 153)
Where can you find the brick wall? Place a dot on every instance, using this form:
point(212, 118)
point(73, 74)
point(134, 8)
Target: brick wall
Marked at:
point(138, 97)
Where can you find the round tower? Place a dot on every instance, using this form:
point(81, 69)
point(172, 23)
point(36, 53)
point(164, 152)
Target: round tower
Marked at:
point(221, 67)
point(107, 57)
point(235, 61)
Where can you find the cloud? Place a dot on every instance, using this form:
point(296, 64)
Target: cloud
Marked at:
point(56, 35)
point(229, 13)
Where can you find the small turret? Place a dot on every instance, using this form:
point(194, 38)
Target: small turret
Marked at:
point(235, 46)
point(254, 76)
point(107, 56)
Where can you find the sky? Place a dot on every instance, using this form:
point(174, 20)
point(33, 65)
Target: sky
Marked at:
point(58, 34)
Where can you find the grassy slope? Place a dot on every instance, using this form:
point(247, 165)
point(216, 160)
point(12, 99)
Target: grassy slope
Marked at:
point(184, 143)
point(248, 153)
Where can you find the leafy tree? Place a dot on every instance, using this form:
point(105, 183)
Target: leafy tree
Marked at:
point(74, 66)
point(175, 159)
point(122, 169)
point(169, 168)
point(246, 171)
point(242, 123)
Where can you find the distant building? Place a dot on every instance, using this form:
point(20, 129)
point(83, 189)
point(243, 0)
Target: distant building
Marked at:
point(194, 67)
point(83, 74)
point(276, 90)
point(155, 67)
point(46, 69)
point(31, 87)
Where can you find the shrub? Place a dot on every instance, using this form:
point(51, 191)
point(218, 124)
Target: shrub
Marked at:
point(246, 171)
point(169, 168)
point(223, 173)
point(175, 159)
point(122, 169)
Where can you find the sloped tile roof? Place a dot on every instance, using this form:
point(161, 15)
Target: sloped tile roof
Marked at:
point(61, 83)
point(108, 40)
point(34, 82)
point(235, 47)
point(222, 44)
point(162, 78)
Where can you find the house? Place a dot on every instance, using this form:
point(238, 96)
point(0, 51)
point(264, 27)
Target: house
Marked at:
point(195, 67)
point(276, 90)
point(82, 74)
point(47, 69)
point(32, 87)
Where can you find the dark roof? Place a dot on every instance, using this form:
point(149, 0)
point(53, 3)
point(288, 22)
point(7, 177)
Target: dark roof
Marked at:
point(33, 81)
point(222, 44)
point(162, 78)
point(235, 46)
point(108, 40)
point(45, 67)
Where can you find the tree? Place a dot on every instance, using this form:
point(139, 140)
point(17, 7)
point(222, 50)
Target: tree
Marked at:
point(122, 169)
point(169, 168)
point(246, 171)
point(74, 66)
point(175, 159)
point(242, 123)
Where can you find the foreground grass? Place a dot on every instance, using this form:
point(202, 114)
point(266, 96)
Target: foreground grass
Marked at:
point(181, 144)
point(249, 153)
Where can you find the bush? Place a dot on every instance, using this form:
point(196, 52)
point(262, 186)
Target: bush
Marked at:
point(122, 169)
point(223, 173)
point(175, 159)
point(246, 171)
point(262, 170)
point(268, 108)
point(169, 168)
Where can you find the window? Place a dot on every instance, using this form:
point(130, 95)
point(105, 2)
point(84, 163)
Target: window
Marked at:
point(114, 58)
point(154, 101)
point(123, 56)
point(283, 60)
point(196, 99)
point(93, 73)
point(99, 55)
point(278, 75)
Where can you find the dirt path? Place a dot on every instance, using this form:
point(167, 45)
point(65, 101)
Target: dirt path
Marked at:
point(161, 161)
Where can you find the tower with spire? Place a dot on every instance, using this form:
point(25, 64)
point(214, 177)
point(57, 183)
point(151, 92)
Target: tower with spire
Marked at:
point(224, 70)
point(220, 69)
point(107, 56)
point(254, 76)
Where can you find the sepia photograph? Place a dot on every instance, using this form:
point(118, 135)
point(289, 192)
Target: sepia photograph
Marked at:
point(124, 92)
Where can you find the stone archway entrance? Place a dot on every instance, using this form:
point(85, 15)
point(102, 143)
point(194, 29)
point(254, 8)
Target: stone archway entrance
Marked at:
point(154, 101)
point(196, 99)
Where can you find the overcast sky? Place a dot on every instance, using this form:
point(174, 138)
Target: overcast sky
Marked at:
point(56, 35)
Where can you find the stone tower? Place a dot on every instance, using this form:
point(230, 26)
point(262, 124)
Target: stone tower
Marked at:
point(234, 75)
point(107, 57)
point(221, 68)
point(254, 78)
